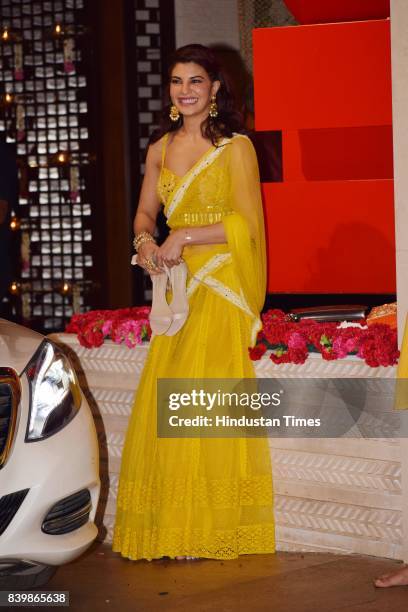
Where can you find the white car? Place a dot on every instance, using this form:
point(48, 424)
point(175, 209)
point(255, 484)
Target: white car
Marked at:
point(49, 460)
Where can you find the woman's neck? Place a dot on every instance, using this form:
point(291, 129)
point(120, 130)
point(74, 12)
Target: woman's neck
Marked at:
point(191, 127)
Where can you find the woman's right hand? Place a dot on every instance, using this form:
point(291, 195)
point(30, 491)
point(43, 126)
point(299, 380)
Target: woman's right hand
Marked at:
point(146, 258)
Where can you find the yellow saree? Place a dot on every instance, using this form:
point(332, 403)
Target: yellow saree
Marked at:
point(200, 496)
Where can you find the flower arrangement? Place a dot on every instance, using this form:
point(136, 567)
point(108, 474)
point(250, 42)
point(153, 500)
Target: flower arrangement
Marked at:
point(126, 325)
point(291, 342)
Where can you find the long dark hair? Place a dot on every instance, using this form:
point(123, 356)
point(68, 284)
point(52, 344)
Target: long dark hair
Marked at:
point(229, 120)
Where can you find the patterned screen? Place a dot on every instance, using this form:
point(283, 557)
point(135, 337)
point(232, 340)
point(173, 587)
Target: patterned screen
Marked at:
point(154, 41)
point(43, 109)
point(149, 69)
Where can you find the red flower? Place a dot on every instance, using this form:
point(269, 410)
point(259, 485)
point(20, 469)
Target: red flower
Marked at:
point(378, 346)
point(280, 357)
point(298, 355)
point(257, 351)
point(91, 337)
point(328, 354)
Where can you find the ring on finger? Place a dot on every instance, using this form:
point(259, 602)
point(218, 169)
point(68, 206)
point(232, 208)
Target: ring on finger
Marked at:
point(151, 263)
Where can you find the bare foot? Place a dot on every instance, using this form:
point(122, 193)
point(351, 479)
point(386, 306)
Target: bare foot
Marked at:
point(398, 578)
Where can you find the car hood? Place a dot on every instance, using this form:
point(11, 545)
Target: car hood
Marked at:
point(17, 345)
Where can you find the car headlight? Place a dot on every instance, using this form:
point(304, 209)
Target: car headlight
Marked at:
point(55, 396)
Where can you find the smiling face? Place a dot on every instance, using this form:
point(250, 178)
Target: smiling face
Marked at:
point(191, 89)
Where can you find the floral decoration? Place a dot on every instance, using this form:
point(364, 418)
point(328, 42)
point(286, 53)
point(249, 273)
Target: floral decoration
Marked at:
point(288, 341)
point(291, 342)
point(126, 325)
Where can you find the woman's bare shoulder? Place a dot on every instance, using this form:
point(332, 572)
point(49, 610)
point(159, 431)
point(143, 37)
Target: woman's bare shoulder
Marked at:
point(154, 152)
point(156, 147)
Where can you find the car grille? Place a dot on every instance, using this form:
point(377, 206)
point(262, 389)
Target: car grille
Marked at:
point(9, 504)
point(68, 514)
point(9, 401)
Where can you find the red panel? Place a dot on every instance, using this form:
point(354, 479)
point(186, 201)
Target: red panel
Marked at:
point(336, 75)
point(323, 11)
point(335, 237)
point(338, 154)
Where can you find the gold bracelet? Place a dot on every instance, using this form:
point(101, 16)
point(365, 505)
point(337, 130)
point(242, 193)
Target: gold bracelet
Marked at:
point(142, 241)
point(141, 238)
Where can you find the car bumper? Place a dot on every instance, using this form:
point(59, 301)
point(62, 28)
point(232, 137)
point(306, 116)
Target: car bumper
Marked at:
point(51, 469)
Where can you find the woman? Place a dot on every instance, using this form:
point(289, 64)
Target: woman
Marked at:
point(196, 497)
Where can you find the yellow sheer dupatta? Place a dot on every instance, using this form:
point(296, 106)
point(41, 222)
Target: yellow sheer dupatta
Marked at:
point(243, 224)
point(401, 393)
point(244, 228)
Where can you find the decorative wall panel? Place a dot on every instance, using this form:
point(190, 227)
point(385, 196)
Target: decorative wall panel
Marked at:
point(153, 41)
point(44, 109)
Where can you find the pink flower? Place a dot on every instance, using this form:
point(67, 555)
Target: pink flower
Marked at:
point(296, 340)
point(106, 327)
point(340, 347)
point(129, 332)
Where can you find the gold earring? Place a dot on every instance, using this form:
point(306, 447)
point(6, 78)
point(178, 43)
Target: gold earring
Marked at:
point(213, 107)
point(174, 113)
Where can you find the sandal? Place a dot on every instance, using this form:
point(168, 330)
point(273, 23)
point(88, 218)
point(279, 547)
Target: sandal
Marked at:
point(161, 316)
point(179, 305)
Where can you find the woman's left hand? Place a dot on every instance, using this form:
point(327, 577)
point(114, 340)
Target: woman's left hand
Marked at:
point(170, 252)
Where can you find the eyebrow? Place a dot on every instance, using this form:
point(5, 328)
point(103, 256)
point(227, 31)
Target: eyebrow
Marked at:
point(198, 76)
